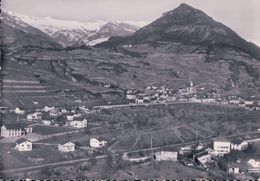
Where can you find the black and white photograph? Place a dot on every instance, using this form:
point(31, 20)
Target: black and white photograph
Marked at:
point(130, 89)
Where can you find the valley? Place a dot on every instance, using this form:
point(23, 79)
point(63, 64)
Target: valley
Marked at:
point(180, 81)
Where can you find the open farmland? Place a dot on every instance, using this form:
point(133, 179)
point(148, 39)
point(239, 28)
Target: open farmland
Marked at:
point(164, 125)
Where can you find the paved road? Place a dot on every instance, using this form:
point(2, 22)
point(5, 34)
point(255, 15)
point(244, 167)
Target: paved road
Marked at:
point(118, 152)
point(153, 104)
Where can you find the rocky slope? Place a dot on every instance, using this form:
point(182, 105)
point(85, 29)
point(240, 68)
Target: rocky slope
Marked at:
point(188, 25)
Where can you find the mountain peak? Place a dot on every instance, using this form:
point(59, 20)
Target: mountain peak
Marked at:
point(185, 6)
point(189, 25)
point(185, 12)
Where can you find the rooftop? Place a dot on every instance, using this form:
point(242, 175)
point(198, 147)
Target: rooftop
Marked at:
point(21, 140)
point(14, 126)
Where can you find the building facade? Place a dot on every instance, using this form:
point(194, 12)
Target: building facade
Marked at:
point(221, 147)
point(95, 143)
point(23, 145)
point(79, 123)
point(34, 116)
point(14, 130)
point(166, 156)
point(67, 147)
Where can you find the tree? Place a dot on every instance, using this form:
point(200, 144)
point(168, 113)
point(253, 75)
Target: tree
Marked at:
point(228, 87)
point(46, 171)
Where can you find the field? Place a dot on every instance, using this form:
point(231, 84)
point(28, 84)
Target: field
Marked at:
point(163, 125)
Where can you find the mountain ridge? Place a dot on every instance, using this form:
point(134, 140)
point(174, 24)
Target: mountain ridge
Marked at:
point(68, 32)
point(190, 26)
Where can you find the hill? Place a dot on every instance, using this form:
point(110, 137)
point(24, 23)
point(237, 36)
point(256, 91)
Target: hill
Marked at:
point(184, 44)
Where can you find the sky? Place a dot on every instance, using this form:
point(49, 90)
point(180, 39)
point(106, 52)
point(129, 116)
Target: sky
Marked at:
point(240, 15)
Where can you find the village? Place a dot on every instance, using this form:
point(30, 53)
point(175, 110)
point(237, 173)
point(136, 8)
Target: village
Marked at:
point(200, 154)
point(196, 93)
point(204, 154)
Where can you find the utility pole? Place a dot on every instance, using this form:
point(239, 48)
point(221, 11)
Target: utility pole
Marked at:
point(233, 129)
point(196, 134)
point(151, 141)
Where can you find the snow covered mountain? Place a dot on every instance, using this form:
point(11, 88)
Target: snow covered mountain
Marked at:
point(68, 33)
point(19, 34)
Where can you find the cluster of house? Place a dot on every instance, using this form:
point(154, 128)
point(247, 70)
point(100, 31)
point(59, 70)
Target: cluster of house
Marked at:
point(151, 94)
point(204, 155)
point(192, 93)
point(23, 144)
point(59, 117)
point(93, 143)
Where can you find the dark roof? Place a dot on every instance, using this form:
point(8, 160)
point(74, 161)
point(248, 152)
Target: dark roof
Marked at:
point(21, 140)
point(237, 140)
point(13, 126)
point(201, 153)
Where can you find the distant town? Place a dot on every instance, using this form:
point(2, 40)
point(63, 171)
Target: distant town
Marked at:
point(197, 93)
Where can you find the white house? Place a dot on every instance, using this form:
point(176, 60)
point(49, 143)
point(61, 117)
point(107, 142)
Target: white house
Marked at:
point(185, 149)
point(13, 130)
point(19, 110)
point(66, 147)
point(233, 170)
point(203, 156)
point(221, 147)
point(204, 159)
point(48, 108)
point(208, 100)
point(34, 116)
point(239, 146)
point(95, 143)
point(84, 109)
point(249, 102)
point(166, 156)
point(130, 96)
point(64, 111)
point(254, 166)
point(139, 101)
point(54, 113)
point(234, 101)
point(46, 122)
point(147, 98)
point(79, 123)
point(23, 145)
point(194, 99)
point(73, 116)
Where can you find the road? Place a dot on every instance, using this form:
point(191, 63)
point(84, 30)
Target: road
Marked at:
point(154, 104)
point(50, 164)
point(35, 167)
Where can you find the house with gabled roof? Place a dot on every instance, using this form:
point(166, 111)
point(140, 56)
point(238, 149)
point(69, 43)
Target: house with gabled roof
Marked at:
point(19, 110)
point(34, 116)
point(66, 147)
point(23, 145)
point(96, 143)
point(79, 123)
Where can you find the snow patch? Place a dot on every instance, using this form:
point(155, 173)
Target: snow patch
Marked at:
point(97, 41)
